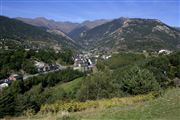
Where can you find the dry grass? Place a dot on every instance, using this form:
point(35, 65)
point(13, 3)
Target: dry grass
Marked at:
point(65, 110)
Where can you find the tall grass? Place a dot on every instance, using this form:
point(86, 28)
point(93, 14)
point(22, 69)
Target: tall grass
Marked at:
point(74, 106)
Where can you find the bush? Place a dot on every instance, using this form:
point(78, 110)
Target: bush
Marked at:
point(29, 67)
point(99, 85)
point(138, 81)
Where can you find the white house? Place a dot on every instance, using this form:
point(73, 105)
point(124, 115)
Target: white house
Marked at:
point(163, 51)
point(3, 85)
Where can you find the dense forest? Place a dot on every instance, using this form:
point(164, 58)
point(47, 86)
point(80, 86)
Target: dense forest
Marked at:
point(124, 74)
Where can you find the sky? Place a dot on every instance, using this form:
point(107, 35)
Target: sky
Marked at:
point(168, 11)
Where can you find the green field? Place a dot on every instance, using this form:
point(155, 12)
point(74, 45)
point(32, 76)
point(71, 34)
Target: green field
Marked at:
point(70, 86)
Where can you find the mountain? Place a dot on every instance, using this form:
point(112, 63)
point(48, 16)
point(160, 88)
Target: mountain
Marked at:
point(91, 24)
point(111, 35)
point(65, 27)
point(68, 29)
point(85, 26)
point(50, 24)
point(131, 34)
point(18, 32)
point(75, 33)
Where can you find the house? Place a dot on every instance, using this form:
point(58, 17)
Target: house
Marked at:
point(40, 66)
point(3, 85)
point(105, 57)
point(166, 52)
point(27, 49)
point(14, 77)
point(5, 81)
point(78, 64)
point(44, 67)
point(82, 64)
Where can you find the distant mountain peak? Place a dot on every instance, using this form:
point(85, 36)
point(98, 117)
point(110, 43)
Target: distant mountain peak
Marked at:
point(40, 18)
point(64, 26)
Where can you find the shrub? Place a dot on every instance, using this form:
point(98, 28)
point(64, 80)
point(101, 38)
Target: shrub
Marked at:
point(138, 81)
point(99, 85)
point(74, 106)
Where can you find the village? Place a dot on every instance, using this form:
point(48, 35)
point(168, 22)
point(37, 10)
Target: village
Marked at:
point(84, 62)
point(42, 68)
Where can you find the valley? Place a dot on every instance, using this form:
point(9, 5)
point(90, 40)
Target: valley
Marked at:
point(103, 69)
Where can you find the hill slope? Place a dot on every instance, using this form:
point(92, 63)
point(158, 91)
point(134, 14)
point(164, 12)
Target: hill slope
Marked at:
point(76, 33)
point(166, 107)
point(13, 30)
point(131, 34)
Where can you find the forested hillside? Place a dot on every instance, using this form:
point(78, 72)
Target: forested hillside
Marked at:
point(16, 33)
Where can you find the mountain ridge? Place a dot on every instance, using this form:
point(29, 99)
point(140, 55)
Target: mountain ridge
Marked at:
point(131, 34)
point(64, 26)
point(16, 30)
point(116, 35)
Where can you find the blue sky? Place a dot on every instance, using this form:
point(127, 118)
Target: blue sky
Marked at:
point(167, 11)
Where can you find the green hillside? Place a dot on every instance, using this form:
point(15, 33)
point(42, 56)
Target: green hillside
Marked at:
point(68, 89)
point(165, 107)
point(23, 34)
point(70, 85)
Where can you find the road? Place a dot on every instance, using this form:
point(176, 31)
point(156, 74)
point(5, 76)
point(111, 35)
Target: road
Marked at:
point(60, 67)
